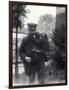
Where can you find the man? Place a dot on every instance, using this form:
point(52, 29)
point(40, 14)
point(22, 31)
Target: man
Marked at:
point(33, 54)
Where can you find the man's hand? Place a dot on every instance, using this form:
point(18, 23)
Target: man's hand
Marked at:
point(28, 59)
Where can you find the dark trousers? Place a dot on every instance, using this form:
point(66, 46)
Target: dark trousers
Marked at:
point(35, 67)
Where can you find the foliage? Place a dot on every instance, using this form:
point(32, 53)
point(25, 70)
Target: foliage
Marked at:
point(58, 36)
point(46, 23)
point(19, 13)
point(46, 17)
point(59, 41)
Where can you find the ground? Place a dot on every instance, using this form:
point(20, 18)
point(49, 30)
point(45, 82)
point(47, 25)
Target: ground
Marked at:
point(52, 76)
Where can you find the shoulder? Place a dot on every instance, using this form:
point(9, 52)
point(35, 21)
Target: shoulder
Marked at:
point(42, 35)
point(37, 33)
point(24, 39)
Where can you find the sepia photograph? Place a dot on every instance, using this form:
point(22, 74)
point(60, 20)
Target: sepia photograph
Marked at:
point(37, 44)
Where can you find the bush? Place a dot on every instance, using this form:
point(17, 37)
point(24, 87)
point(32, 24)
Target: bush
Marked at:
point(59, 49)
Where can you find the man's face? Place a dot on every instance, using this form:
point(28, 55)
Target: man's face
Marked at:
point(32, 29)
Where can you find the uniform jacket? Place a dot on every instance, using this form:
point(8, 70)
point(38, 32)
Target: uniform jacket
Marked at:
point(34, 46)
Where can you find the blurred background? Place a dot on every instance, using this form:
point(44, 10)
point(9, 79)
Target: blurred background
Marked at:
point(50, 20)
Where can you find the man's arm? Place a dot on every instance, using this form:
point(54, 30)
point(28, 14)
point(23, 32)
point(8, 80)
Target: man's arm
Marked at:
point(22, 50)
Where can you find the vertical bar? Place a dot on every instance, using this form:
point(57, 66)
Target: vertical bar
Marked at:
point(16, 63)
